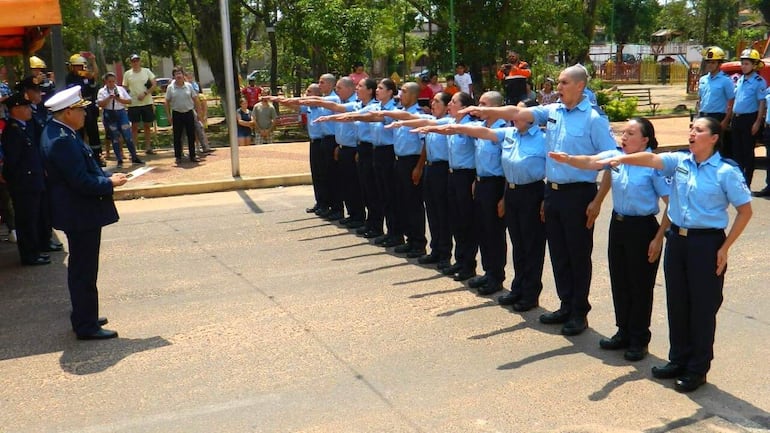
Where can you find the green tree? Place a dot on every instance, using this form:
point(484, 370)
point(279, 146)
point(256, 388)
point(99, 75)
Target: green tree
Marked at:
point(630, 21)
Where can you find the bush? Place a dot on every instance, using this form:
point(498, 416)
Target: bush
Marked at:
point(620, 109)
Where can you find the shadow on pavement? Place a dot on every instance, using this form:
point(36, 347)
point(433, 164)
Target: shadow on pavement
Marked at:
point(88, 357)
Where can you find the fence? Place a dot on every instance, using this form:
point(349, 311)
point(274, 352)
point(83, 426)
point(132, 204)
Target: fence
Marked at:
point(643, 73)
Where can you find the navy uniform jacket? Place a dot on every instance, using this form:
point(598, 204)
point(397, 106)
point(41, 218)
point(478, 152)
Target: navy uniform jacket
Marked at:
point(81, 194)
point(23, 165)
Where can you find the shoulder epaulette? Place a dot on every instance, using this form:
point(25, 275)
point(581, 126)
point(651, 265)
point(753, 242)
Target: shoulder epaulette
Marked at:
point(729, 161)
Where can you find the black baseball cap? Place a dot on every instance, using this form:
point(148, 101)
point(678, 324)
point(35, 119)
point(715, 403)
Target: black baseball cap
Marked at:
point(28, 83)
point(16, 100)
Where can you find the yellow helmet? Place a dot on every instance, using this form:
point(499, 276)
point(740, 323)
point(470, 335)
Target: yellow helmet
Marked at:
point(77, 59)
point(714, 53)
point(36, 62)
point(750, 54)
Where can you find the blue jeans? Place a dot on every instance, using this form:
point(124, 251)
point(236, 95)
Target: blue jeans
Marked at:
point(117, 125)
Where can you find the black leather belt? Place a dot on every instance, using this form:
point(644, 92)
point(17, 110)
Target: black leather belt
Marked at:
point(567, 186)
point(463, 171)
point(619, 217)
point(489, 178)
point(407, 157)
point(440, 162)
point(681, 231)
point(538, 183)
point(754, 114)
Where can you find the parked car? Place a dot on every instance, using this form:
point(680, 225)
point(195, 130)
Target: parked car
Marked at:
point(163, 83)
point(734, 68)
point(261, 76)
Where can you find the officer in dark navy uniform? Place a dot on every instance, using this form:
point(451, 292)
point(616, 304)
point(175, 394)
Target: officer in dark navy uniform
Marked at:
point(23, 171)
point(82, 204)
point(86, 79)
point(703, 186)
point(32, 91)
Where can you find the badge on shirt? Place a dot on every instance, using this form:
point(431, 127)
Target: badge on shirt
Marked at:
point(551, 120)
point(682, 170)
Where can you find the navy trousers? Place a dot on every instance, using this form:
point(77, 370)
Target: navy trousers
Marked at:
point(527, 233)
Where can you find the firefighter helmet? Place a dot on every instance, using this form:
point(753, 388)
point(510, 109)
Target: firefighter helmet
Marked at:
point(36, 62)
point(714, 53)
point(77, 59)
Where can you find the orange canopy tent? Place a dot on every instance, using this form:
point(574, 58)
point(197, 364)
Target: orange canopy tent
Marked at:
point(24, 24)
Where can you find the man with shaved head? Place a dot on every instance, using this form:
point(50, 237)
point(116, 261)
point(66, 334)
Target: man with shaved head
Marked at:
point(571, 204)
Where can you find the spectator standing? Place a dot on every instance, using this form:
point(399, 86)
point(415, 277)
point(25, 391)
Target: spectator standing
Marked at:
point(252, 93)
point(83, 73)
point(358, 73)
point(140, 83)
point(43, 78)
point(463, 79)
point(181, 102)
point(451, 88)
point(113, 100)
point(513, 76)
point(264, 116)
point(245, 123)
point(434, 84)
point(201, 114)
point(547, 95)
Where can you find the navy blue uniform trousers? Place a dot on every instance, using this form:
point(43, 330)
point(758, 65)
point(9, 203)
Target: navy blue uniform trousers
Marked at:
point(317, 173)
point(369, 193)
point(331, 174)
point(385, 178)
point(82, 273)
point(410, 209)
point(693, 295)
point(490, 228)
point(527, 233)
point(632, 276)
point(460, 195)
point(349, 184)
point(570, 243)
point(435, 177)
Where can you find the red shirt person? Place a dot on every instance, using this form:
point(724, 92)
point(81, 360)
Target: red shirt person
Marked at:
point(252, 93)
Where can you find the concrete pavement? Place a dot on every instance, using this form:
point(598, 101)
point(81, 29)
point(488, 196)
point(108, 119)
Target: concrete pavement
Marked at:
point(238, 312)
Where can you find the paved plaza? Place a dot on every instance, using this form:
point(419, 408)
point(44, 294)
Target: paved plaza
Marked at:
point(239, 312)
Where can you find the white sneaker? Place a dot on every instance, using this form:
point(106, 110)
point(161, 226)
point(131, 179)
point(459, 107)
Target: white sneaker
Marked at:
point(12, 236)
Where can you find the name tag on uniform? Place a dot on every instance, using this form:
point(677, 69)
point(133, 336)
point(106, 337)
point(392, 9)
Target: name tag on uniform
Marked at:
point(682, 170)
point(551, 120)
point(509, 140)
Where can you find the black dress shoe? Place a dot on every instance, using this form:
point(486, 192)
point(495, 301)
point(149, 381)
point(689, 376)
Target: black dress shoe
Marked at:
point(574, 326)
point(344, 221)
point(321, 212)
point(101, 334)
point(415, 253)
point(428, 259)
point(402, 249)
point(464, 275)
point(522, 305)
point(392, 242)
point(668, 371)
point(373, 234)
point(443, 264)
point(333, 216)
point(689, 382)
point(362, 230)
point(476, 282)
point(452, 269)
point(312, 209)
point(558, 316)
point(509, 298)
point(45, 256)
point(101, 321)
point(193, 159)
point(37, 261)
point(52, 247)
point(136, 160)
point(635, 353)
point(354, 224)
point(617, 341)
point(489, 288)
point(381, 239)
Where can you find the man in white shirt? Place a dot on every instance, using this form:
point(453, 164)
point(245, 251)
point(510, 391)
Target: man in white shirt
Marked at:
point(140, 82)
point(463, 79)
point(112, 99)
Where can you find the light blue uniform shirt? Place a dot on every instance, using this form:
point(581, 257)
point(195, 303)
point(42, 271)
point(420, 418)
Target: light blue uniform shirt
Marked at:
point(461, 147)
point(313, 129)
point(436, 145)
point(488, 153)
point(701, 194)
point(523, 155)
point(380, 135)
point(364, 128)
point(580, 131)
point(346, 133)
point(635, 190)
point(748, 92)
point(715, 92)
point(767, 101)
point(328, 127)
point(408, 143)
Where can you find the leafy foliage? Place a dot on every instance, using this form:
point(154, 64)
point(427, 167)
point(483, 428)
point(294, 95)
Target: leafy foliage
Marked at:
point(619, 109)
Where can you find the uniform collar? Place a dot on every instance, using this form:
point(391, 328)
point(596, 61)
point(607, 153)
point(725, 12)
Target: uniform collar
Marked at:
point(712, 160)
point(499, 123)
point(63, 124)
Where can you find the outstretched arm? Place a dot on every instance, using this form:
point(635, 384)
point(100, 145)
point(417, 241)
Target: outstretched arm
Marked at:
point(400, 115)
point(585, 162)
point(455, 128)
point(644, 159)
point(414, 123)
point(508, 112)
